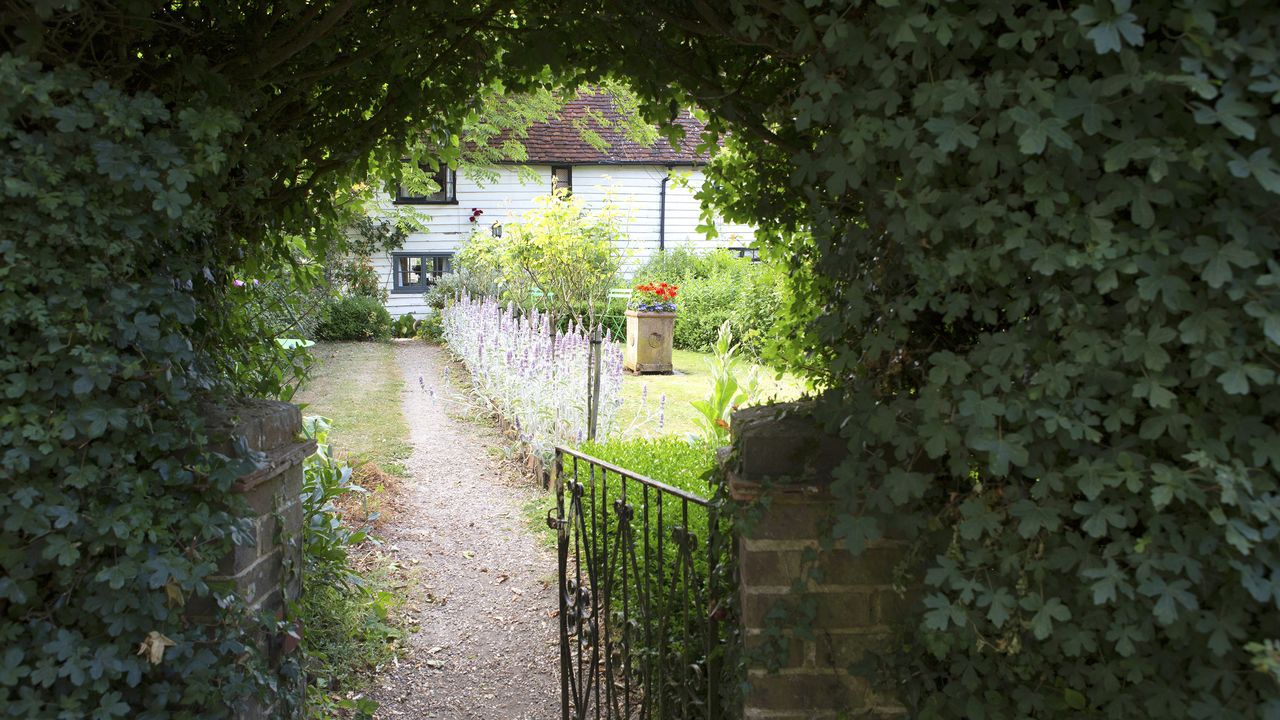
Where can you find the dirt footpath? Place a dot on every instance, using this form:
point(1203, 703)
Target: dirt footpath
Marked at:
point(484, 593)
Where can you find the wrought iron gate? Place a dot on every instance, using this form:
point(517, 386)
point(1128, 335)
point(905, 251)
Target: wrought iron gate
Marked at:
point(639, 636)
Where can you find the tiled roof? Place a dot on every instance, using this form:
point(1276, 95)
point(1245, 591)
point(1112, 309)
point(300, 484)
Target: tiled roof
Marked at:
point(559, 141)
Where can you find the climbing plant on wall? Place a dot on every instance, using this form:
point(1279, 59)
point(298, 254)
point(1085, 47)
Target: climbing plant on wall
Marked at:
point(1038, 261)
point(156, 161)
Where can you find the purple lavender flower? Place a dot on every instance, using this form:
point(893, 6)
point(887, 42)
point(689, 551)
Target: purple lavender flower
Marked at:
point(662, 411)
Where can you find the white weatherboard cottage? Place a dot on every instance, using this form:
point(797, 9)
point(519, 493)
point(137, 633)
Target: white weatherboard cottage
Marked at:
point(652, 186)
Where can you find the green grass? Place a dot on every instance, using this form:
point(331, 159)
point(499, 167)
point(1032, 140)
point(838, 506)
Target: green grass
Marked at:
point(358, 386)
point(692, 381)
point(535, 516)
point(351, 634)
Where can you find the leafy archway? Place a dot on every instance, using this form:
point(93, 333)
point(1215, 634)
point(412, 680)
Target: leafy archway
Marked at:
point(1033, 249)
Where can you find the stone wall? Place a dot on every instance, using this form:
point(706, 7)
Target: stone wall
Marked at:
point(266, 572)
point(780, 452)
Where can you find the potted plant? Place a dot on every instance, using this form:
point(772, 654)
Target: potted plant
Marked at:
point(651, 321)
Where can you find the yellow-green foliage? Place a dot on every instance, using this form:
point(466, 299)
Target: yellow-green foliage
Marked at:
point(567, 252)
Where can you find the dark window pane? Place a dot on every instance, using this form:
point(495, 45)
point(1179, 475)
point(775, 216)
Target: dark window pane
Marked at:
point(443, 177)
point(562, 177)
point(408, 270)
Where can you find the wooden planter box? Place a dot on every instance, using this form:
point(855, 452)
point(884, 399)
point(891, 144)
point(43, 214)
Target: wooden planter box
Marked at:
point(649, 341)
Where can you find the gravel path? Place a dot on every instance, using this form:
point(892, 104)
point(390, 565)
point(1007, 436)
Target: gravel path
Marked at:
point(485, 593)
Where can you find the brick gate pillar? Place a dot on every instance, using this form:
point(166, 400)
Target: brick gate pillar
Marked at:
point(267, 571)
point(786, 460)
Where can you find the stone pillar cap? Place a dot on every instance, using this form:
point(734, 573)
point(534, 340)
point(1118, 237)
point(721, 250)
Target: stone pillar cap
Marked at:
point(784, 445)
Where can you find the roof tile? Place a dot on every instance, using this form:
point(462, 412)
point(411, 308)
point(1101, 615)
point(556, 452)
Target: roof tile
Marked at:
point(560, 142)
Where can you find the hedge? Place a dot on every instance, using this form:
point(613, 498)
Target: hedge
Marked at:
point(157, 160)
point(1035, 253)
point(356, 317)
point(715, 287)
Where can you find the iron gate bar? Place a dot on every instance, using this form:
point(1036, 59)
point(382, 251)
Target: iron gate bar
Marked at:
point(596, 646)
point(657, 484)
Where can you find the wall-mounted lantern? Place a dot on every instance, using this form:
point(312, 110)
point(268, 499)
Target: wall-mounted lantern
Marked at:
point(496, 230)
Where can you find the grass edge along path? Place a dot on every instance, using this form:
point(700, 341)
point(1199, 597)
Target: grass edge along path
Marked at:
point(357, 631)
point(358, 386)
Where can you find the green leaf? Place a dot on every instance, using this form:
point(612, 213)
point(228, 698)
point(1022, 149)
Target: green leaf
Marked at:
point(11, 668)
point(83, 385)
point(1106, 33)
point(942, 614)
point(855, 531)
point(1033, 518)
point(1234, 381)
point(1042, 622)
point(1003, 451)
point(951, 134)
point(1271, 328)
point(1073, 698)
point(1261, 167)
point(1168, 597)
point(978, 520)
point(1231, 113)
point(1099, 517)
point(1001, 608)
point(904, 486)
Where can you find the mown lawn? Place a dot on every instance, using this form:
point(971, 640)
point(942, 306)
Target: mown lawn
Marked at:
point(358, 386)
point(691, 381)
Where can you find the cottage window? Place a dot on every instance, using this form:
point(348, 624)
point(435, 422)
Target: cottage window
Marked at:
point(562, 177)
point(417, 272)
point(447, 194)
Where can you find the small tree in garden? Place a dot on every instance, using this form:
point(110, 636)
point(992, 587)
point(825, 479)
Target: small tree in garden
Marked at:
point(569, 252)
point(563, 249)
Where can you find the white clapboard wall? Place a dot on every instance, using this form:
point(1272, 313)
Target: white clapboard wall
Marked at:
point(634, 189)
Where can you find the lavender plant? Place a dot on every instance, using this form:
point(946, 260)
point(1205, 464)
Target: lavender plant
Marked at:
point(532, 374)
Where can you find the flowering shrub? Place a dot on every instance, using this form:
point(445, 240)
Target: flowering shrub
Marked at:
point(655, 297)
point(532, 374)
